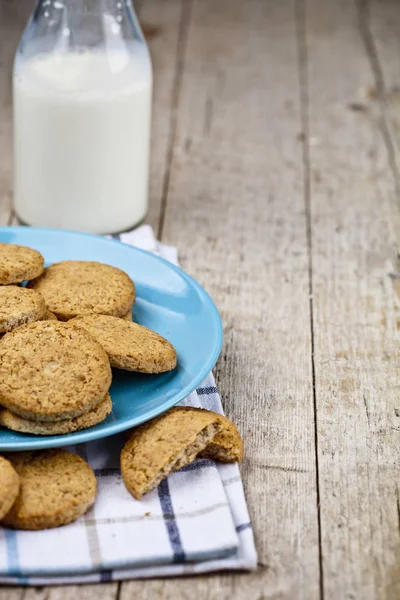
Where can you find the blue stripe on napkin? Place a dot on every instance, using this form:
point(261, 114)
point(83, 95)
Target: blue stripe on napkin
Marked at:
point(170, 522)
point(12, 555)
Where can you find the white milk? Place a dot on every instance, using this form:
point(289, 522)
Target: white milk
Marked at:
point(81, 139)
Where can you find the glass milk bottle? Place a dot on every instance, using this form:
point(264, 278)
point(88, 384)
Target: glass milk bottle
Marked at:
point(82, 112)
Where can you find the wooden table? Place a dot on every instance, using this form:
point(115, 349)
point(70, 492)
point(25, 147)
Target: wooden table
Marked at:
point(275, 170)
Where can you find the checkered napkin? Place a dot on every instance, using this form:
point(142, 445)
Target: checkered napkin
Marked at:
point(196, 521)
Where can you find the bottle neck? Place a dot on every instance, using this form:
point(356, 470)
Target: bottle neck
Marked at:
point(85, 6)
point(87, 22)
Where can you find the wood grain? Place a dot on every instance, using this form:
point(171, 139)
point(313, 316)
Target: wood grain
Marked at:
point(11, 593)
point(380, 23)
point(105, 591)
point(354, 218)
point(164, 24)
point(235, 208)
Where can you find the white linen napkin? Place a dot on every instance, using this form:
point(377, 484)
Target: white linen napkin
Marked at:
point(195, 522)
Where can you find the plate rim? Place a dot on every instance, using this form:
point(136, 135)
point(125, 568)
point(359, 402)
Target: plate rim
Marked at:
point(80, 437)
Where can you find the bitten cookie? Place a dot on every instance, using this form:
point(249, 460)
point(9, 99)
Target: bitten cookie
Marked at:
point(50, 371)
point(227, 446)
point(9, 486)
point(129, 346)
point(57, 487)
point(19, 306)
point(93, 417)
point(164, 445)
point(18, 263)
point(72, 288)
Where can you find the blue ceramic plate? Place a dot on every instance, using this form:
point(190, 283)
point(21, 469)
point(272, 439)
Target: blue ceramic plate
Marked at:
point(168, 301)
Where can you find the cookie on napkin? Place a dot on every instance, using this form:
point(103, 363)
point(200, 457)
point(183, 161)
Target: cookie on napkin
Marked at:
point(57, 487)
point(163, 445)
point(227, 446)
point(9, 486)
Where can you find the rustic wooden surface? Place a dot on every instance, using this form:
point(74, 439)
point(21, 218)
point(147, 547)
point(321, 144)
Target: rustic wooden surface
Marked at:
point(275, 170)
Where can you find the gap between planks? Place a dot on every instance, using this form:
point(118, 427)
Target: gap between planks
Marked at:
point(301, 28)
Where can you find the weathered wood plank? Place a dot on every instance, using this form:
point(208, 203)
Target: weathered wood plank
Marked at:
point(11, 593)
point(209, 587)
point(380, 22)
point(235, 209)
point(105, 591)
point(163, 24)
point(356, 302)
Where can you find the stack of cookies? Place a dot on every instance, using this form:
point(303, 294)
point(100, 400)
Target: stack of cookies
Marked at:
point(61, 336)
